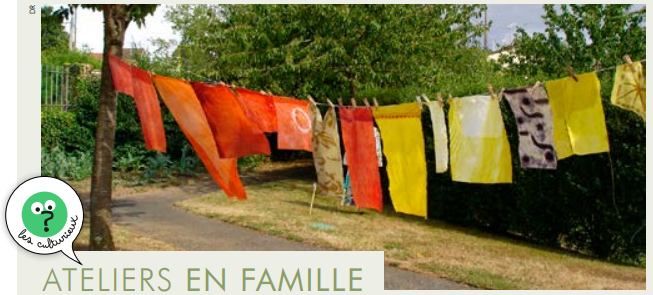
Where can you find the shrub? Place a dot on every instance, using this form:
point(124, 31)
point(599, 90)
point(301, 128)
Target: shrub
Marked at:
point(129, 136)
point(251, 162)
point(60, 129)
point(64, 57)
point(57, 163)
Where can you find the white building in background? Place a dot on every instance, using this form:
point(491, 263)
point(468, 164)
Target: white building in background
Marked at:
point(496, 55)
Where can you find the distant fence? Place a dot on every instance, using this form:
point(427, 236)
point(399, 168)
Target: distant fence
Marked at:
point(55, 87)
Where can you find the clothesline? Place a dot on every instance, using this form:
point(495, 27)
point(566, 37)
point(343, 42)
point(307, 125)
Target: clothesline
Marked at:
point(206, 115)
point(614, 67)
point(486, 94)
point(336, 105)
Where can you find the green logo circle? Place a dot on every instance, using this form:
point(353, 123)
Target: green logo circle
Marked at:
point(44, 214)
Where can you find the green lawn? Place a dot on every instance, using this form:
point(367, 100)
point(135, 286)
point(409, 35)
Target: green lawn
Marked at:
point(479, 259)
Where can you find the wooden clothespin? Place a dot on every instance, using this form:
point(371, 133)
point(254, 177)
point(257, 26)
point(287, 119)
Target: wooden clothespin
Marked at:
point(367, 103)
point(491, 90)
point(439, 97)
point(449, 98)
point(312, 100)
point(535, 86)
point(629, 62)
point(330, 103)
point(418, 99)
point(571, 73)
point(353, 101)
point(500, 97)
point(597, 64)
point(340, 101)
point(426, 99)
point(376, 103)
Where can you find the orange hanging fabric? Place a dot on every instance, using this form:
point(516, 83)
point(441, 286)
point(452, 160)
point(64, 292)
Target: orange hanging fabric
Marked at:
point(149, 110)
point(121, 75)
point(180, 99)
point(137, 83)
point(294, 132)
point(357, 126)
point(235, 135)
point(259, 108)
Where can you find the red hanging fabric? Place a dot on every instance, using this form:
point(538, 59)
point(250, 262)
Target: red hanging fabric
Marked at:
point(357, 126)
point(294, 124)
point(259, 108)
point(121, 75)
point(180, 99)
point(235, 135)
point(137, 83)
point(149, 110)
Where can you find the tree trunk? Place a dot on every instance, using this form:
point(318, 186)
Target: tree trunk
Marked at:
point(115, 25)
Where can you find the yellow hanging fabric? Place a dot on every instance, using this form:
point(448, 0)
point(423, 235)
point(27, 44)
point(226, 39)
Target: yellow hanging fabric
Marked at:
point(479, 147)
point(403, 146)
point(326, 151)
point(578, 119)
point(629, 91)
point(439, 137)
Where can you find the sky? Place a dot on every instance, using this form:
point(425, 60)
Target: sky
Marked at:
point(505, 20)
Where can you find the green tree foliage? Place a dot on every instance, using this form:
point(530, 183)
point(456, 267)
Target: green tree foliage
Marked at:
point(53, 35)
point(324, 50)
point(579, 36)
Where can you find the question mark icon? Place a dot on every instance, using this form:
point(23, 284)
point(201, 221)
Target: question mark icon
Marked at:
point(46, 229)
point(48, 208)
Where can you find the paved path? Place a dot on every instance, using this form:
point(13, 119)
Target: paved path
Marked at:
point(152, 214)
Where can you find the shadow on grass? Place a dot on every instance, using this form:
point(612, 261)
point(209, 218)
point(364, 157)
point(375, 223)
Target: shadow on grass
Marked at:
point(513, 239)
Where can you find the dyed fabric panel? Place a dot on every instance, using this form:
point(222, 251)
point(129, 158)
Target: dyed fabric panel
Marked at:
point(578, 119)
point(259, 108)
point(326, 152)
point(629, 91)
point(403, 146)
point(121, 75)
point(535, 126)
point(149, 110)
point(184, 106)
point(137, 83)
point(294, 124)
point(379, 151)
point(439, 137)
point(479, 147)
point(357, 126)
point(235, 135)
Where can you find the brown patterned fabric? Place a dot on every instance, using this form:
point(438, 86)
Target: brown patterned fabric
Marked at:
point(535, 126)
point(326, 152)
